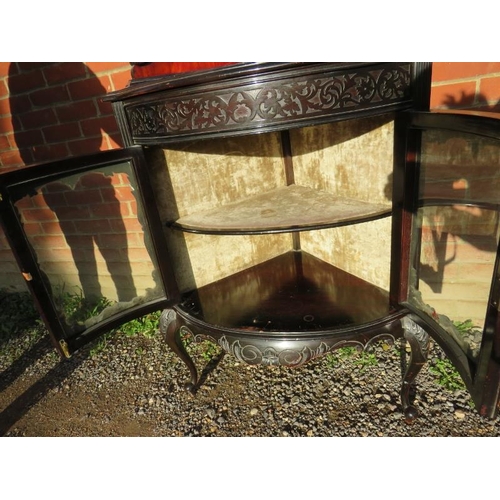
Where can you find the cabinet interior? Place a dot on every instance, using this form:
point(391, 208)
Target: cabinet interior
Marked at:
point(206, 189)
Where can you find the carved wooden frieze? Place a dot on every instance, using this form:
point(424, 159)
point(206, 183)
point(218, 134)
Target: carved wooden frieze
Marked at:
point(272, 102)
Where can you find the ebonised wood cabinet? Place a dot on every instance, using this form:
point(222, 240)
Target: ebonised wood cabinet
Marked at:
point(282, 210)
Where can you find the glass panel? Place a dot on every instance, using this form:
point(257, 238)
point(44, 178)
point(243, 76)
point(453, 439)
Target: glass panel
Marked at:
point(89, 237)
point(456, 232)
point(459, 167)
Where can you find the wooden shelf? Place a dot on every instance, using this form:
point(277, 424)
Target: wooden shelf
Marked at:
point(294, 292)
point(288, 208)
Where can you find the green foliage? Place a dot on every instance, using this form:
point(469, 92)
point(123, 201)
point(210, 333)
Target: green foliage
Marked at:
point(206, 349)
point(77, 308)
point(363, 359)
point(465, 326)
point(100, 344)
point(446, 374)
point(146, 326)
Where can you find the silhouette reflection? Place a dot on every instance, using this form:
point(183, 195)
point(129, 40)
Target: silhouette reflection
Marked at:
point(89, 214)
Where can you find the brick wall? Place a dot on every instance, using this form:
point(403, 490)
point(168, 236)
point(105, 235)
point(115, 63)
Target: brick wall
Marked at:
point(466, 85)
point(52, 110)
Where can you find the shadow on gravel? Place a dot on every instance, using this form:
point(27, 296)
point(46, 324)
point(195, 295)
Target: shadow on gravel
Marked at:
point(209, 368)
point(54, 377)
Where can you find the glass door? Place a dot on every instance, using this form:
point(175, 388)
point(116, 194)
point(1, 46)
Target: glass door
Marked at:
point(88, 240)
point(452, 208)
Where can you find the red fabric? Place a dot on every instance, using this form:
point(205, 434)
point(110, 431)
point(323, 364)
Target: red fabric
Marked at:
point(144, 70)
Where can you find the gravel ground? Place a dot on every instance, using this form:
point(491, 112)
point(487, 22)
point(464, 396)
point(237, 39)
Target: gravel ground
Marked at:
point(133, 387)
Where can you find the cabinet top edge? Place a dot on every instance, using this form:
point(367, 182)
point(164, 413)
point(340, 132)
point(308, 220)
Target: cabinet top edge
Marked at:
point(227, 73)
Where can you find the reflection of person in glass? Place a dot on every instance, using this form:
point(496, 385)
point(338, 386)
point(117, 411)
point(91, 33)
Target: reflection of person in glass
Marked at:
point(45, 120)
point(89, 215)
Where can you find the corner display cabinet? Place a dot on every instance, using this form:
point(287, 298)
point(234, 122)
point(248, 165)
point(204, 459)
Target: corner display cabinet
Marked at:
point(282, 210)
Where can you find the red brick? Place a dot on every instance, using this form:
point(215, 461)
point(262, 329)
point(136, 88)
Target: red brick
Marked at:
point(52, 227)
point(4, 91)
point(63, 132)
point(38, 118)
point(39, 200)
point(66, 71)
point(133, 208)
point(83, 197)
point(492, 108)
point(26, 67)
point(5, 106)
point(5, 68)
point(85, 146)
point(442, 71)
point(111, 240)
point(460, 95)
point(124, 194)
point(108, 194)
point(60, 255)
point(94, 226)
point(55, 199)
point(4, 143)
point(120, 80)
point(490, 90)
point(20, 104)
point(105, 108)
point(98, 67)
point(93, 125)
point(116, 180)
point(25, 202)
point(109, 210)
point(94, 180)
point(49, 96)
point(83, 89)
point(32, 228)
point(39, 215)
point(11, 158)
point(127, 225)
point(138, 255)
point(49, 152)
point(56, 187)
point(112, 255)
point(25, 82)
point(73, 213)
point(29, 138)
point(6, 125)
point(76, 111)
point(51, 241)
point(115, 141)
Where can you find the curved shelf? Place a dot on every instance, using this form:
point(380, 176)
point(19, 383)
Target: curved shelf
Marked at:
point(292, 293)
point(285, 209)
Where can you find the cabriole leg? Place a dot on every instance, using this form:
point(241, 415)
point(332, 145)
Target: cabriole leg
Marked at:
point(170, 329)
point(418, 339)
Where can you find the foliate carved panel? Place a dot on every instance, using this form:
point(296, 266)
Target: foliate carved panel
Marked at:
point(271, 103)
point(277, 352)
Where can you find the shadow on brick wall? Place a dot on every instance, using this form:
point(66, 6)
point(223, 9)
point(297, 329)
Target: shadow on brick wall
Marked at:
point(56, 110)
point(477, 102)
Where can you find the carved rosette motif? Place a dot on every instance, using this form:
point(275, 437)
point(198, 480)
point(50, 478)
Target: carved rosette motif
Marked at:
point(270, 102)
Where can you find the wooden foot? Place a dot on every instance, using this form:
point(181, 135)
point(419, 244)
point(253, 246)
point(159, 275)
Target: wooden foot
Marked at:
point(170, 329)
point(418, 339)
